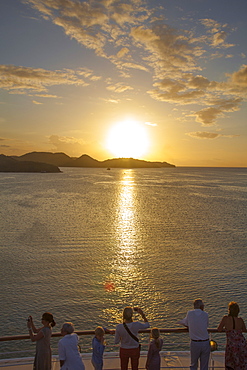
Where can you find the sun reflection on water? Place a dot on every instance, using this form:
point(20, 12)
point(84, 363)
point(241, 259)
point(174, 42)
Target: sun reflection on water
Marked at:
point(126, 220)
point(126, 271)
point(128, 281)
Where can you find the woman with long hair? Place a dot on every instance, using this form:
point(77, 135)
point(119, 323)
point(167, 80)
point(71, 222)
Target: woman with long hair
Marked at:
point(236, 346)
point(42, 336)
point(126, 334)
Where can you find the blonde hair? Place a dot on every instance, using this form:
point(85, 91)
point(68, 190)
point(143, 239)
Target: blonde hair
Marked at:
point(127, 313)
point(99, 331)
point(233, 309)
point(155, 334)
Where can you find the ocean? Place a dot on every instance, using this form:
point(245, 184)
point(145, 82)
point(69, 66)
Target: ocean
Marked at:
point(84, 243)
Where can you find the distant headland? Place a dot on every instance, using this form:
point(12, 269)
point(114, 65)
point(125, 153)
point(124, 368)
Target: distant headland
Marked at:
point(50, 162)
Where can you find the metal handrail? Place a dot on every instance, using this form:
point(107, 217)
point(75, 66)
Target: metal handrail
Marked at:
point(92, 332)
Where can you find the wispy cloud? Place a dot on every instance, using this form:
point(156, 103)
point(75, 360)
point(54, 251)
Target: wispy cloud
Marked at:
point(150, 124)
point(239, 78)
point(113, 101)
point(119, 87)
point(131, 36)
point(37, 102)
point(208, 135)
point(218, 34)
point(66, 144)
point(20, 79)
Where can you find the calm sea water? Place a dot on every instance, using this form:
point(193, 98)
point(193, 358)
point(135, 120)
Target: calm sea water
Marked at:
point(85, 243)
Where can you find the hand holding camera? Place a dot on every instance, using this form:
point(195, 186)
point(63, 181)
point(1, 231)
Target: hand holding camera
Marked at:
point(138, 310)
point(29, 322)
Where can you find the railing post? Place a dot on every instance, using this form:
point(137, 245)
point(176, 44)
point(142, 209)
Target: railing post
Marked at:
point(211, 353)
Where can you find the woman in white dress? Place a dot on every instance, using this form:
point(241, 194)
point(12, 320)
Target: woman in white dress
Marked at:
point(69, 355)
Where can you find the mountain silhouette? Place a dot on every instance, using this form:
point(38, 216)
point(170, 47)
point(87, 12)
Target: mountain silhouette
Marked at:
point(9, 164)
point(63, 160)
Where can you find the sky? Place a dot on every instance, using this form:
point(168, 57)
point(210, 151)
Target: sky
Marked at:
point(155, 80)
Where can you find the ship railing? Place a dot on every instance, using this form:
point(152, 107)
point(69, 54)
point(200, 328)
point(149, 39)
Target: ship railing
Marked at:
point(216, 358)
point(91, 332)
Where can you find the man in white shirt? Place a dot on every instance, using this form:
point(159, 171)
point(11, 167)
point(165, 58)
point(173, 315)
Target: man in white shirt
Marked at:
point(197, 322)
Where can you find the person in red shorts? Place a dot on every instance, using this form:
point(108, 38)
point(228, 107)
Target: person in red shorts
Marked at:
point(126, 335)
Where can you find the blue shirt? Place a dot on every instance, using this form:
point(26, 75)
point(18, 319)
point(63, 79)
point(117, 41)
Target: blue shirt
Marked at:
point(98, 350)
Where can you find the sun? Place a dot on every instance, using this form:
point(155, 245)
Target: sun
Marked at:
point(128, 139)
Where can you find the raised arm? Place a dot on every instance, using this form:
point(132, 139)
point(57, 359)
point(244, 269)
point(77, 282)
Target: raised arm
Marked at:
point(34, 329)
point(35, 337)
point(222, 324)
point(139, 310)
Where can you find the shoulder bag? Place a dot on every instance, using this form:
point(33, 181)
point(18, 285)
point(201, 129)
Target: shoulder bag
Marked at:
point(131, 334)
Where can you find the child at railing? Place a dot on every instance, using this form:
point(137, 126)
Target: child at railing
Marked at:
point(98, 345)
point(153, 356)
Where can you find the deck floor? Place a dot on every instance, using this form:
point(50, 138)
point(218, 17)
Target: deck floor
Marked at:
point(172, 359)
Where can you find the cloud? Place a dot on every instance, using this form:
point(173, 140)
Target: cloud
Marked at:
point(135, 66)
point(67, 144)
point(92, 24)
point(212, 25)
point(114, 101)
point(218, 34)
point(208, 116)
point(208, 135)
point(47, 96)
point(119, 87)
point(239, 78)
point(98, 25)
point(3, 145)
point(218, 38)
point(129, 35)
point(88, 74)
point(177, 91)
point(170, 53)
point(20, 78)
point(121, 53)
point(37, 102)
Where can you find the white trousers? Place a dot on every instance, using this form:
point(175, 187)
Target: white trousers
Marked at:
point(199, 350)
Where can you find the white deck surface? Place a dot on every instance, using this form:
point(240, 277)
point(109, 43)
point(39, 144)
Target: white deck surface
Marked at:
point(173, 359)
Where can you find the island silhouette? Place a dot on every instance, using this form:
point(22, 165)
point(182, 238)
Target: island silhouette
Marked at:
point(50, 162)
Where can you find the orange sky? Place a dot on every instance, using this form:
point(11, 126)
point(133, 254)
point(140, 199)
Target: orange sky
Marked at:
point(173, 76)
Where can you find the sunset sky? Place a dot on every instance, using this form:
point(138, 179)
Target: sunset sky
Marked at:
point(156, 80)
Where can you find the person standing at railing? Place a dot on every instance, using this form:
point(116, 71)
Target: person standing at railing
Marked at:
point(42, 336)
point(153, 356)
point(126, 335)
point(68, 351)
point(236, 346)
point(197, 322)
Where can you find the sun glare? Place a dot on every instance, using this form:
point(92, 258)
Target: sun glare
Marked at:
point(128, 139)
